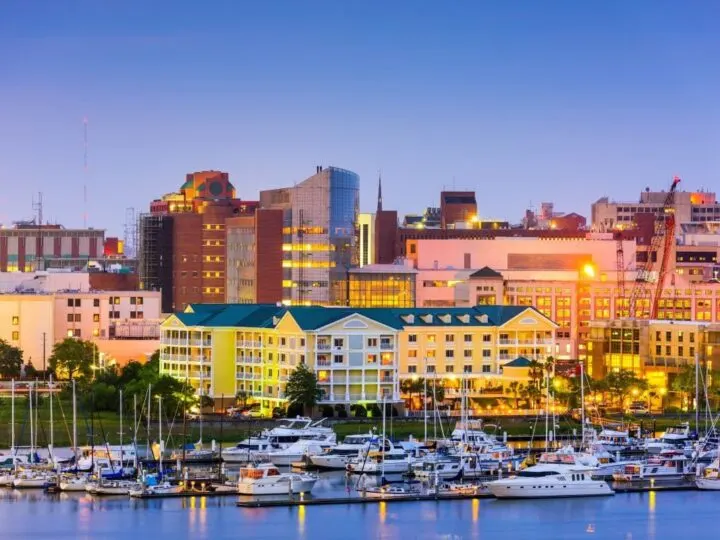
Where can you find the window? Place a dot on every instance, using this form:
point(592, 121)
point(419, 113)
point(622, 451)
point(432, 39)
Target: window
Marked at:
point(430, 354)
point(96, 317)
point(658, 335)
point(467, 369)
point(668, 350)
point(412, 369)
point(412, 338)
point(372, 358)
point(668, 336)
point(658, 350)
point(113, 315)
point(70, 317)
point(680, 337)
point(467, 353)
point(96, 332)
point(70, 302)
point(691, 351)
point(467, 338)
point(96, 302)
point(487, 338)
point(692, 337)
point(486, 369)
point(372, 343)
point(431, 338)
point(302, 341)
point(282, 342)
point(338, 358)
point(15, 320)
point(338, 342)
point(680, 351)
point(486, 353)
point(412, 353)
point(449, 353)
point(430, 369)
point(449, 369)
point(449, 338)
point(15, 335)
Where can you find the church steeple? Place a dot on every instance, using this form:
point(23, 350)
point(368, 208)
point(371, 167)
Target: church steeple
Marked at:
point(379, 198)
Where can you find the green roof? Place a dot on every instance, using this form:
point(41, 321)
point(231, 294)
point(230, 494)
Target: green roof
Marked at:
point(313, 318)
point(520, 361)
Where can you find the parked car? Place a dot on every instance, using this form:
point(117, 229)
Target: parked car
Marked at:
point(253, 413)
point(638, 408)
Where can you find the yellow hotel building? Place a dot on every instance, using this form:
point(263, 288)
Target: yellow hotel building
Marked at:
point(358, 355)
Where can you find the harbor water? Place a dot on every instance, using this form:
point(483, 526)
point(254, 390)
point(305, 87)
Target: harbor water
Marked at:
point(33, 514)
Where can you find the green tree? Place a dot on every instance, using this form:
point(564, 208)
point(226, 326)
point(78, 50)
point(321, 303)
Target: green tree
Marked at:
point(29, 371)
point(684, 383)
point(241, 398)
point(73, 358)
point(621, 383)
point(302, 388)
point(411, 387)
point(11, 360)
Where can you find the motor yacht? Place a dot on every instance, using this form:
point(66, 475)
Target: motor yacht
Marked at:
point(471, 432)
point(247, 451)
point(438, 467)
point(298, 450)
point(292, 430)
point(337, 458)
point(611, 440)
point(266, 479)
point(549, 481)
point(675, 437)
point(386, 460)
point(670, 465)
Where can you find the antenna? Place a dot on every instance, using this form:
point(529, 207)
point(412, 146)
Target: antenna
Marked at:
point(38, 218)
point(85, 170)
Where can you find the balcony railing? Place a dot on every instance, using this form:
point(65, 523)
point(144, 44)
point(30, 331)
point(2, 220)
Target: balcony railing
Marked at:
point(323, 346)
point(387, 379)
point(386, 346)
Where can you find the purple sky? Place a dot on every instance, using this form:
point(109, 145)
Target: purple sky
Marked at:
point(522, 101)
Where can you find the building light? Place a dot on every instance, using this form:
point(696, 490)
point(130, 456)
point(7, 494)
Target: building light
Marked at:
point(589, 270)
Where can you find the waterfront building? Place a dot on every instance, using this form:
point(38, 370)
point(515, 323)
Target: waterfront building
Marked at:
point(320, 235)
point(123, 324)
point(359, 355)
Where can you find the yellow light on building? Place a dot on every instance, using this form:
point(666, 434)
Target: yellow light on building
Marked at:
point(589, 270)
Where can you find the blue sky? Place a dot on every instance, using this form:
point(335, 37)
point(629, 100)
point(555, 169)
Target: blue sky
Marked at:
point(523, 101)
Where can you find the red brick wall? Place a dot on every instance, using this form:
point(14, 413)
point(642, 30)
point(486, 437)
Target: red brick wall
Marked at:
point(268, 233)
point(187, 260)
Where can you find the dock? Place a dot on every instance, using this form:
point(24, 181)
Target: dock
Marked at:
point(326, 501)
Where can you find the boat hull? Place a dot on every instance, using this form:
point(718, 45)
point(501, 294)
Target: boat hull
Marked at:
point(546, 490)
point(708, 484)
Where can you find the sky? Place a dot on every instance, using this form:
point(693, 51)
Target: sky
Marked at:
point(522, 101)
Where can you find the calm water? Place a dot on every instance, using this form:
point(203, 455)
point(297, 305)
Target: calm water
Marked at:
point(632, 516)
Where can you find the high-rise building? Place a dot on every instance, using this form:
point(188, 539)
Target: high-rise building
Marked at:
point(320, 235)
point(457, 206)
point(366, 239)
point(254, 258)
point(182, 240)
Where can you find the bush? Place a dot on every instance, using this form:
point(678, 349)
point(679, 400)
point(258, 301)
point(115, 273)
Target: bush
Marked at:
point(358, 411)
point(374, 411)
point(672, 410)
point(341, 412)
point(279, 412)
point(326, 411)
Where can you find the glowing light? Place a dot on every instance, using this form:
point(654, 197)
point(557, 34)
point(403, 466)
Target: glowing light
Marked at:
point(382, 509)
point(651, 500)
point(589, 270)
point(663, 391)
point(475, 510)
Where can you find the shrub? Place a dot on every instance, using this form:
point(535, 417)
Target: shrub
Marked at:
point(358, 411)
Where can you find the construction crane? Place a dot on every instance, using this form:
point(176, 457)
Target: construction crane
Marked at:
point(659, 249)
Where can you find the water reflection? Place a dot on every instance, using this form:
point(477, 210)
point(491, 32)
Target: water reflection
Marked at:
point(382, 511)
point(475, 510)
point(301, 520)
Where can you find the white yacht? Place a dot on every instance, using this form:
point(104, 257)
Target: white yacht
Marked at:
point(612, 440)
point(298, 450)
point(157, 490)
point(549, 481)
point(292, 430)
point(471, 432)
point(388, 492)
point(32, 479)
point(338, 457)
point(266, 479)
point(436, 467)
point(675, 437)
point(387, 460)
point(89, 457)
point(113, 487)
point(670, 465)
point(247, 451)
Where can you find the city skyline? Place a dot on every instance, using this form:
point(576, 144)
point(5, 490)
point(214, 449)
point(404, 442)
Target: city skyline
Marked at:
point(494, 98)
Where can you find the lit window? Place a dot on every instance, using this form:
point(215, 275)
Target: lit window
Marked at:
point(15, 320)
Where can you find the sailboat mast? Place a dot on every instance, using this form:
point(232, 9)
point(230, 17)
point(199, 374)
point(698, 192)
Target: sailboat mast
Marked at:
point(121, 432)
point(149, 404)
point(160, 431)
point(12, 419)
point(74, 421)
point(582, 403)
point(52, 424)
point(135, 430)
point(697, 394)
point(32, 439)
point(382, 469)
point(425, 403)
point(547, 410)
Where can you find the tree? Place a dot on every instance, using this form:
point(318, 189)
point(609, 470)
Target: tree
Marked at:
point(206, 402)
point(302, 388)
point(241, 398)
point(11, 360)
point(73, 358)
point(684, 382)
point(515, 388)
point(410, 387)
point(621, 383)
point(29, 371)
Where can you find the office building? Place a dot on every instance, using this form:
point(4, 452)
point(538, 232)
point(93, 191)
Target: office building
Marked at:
point(320, 235)
point(383, 285)
point(366, 239)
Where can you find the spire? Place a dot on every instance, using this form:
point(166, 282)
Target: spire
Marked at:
point(379, 200)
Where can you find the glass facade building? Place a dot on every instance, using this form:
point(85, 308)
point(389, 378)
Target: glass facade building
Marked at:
point(382, 288)
point(320, 235)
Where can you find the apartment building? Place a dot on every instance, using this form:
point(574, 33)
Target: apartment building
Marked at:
point(359, 355)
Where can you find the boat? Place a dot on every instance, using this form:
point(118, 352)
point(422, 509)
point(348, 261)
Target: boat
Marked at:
point(291, 430)
point(266, 479)
point(471, 432)
point(675, 437)
point(549, 481)
point(337, 458)
point(437, 467)
point(710, 478)
point(32, 479)
point(72, 483)
point(299, 450)
point(670, 465)
point(387, 460)
point(611, 440)
point(225, 487)
point(247, 451)
point(113, 487)
point(162, 489)
point(388, 492)
point(458, 489)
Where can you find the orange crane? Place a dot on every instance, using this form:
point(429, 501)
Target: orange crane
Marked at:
point(660, 248)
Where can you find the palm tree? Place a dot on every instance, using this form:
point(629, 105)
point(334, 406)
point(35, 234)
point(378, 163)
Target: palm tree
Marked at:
point(514, 388)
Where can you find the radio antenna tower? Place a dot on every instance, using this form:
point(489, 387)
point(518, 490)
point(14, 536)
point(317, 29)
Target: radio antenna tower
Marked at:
point(85, 170)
